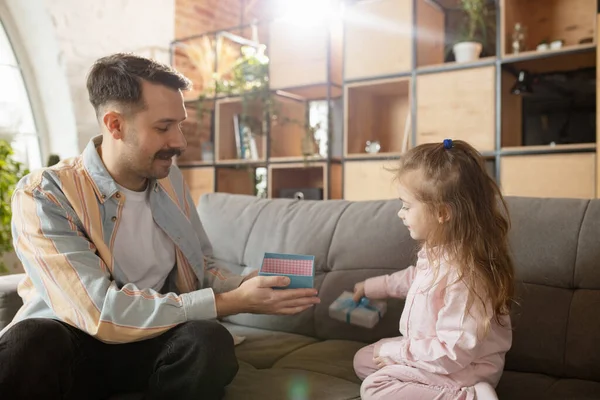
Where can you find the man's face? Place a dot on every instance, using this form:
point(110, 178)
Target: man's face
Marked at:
point(152, 136)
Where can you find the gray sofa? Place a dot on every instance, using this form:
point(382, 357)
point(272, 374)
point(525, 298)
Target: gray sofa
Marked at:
point(556, 246)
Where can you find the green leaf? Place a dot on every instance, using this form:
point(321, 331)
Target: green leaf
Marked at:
point(11, 171)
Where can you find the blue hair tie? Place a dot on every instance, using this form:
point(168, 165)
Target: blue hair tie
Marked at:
point(447, 143)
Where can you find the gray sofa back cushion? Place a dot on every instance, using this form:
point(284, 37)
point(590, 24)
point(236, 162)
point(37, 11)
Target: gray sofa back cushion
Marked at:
point(555, 245)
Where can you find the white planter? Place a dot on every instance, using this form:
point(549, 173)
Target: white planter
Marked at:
point(467, 51)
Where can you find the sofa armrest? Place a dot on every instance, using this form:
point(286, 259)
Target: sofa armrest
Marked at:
point(10, 302)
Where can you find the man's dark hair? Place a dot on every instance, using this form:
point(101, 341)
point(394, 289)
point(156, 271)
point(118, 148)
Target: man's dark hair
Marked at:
point(118, 79)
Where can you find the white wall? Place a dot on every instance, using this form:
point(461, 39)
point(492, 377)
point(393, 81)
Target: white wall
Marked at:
point(87, 30)
point(30, 30)
point(58, 40)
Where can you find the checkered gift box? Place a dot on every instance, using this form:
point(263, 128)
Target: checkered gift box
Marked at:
point(299, 268)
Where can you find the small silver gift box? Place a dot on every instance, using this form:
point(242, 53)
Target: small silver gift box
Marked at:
point(365, 313)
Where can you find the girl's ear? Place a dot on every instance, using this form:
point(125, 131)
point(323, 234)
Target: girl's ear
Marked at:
point(444, 214)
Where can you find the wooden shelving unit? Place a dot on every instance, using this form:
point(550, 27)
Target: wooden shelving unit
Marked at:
point(237, 179)
point(310, 180)
point(459, 104)
point(377, 39)
point(387, 74)
point(200, 180)
point(547, 20)
point(225, 141)
point(376, 111)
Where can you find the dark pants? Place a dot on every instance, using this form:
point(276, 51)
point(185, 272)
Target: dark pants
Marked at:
point(47, 359)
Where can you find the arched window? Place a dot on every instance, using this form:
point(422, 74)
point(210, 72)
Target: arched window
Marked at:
point(17, 123)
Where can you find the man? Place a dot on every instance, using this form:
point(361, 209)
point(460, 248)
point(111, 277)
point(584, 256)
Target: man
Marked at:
point(122, 291)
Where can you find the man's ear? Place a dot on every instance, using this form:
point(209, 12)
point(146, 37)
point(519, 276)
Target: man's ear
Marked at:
point(444, 214)
point(114, 122)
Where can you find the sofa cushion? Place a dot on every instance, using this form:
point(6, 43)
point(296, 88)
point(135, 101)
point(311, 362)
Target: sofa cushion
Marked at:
point(526, 386)
point(262, 348)
point(283, 383)
point(330, 357)
point(10, 302)
point(325, 368)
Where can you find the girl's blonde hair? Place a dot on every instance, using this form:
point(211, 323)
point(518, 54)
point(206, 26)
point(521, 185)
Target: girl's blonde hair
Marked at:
point(450, 178)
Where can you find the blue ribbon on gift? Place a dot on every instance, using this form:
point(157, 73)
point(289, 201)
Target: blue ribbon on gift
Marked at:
point(352, 305)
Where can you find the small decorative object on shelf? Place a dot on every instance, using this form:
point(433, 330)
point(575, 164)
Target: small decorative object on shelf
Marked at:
point(543, 46)
point(478, 19)
point(556, 44)
point(373, 147)
point(302, 193)
point(518, 38)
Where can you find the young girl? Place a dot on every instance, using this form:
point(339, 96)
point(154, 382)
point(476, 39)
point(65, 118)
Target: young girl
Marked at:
point(455, 325)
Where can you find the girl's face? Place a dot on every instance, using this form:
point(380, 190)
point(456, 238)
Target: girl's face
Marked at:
point(414, 215)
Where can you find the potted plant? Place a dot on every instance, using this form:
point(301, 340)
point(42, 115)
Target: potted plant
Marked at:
point(474, 36)
point(11, 171)
point(247, 76)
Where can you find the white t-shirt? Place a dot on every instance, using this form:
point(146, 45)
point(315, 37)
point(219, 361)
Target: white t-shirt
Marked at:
point(142, 250)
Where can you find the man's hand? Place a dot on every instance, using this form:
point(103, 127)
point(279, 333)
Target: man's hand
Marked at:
point(257, 296)
point(250, 276)
point(359, 291)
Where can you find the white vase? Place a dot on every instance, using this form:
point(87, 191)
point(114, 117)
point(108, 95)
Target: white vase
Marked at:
point(467, 51)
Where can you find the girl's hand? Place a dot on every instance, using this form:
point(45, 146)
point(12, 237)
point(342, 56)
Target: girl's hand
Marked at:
point(359, 291)
point(381, 362)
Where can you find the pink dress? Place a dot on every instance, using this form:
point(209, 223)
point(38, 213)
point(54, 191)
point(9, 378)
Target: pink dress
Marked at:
point(442, 352)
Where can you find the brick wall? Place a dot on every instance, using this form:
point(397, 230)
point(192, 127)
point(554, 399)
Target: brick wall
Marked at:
point(86, 31)
point(195, 17)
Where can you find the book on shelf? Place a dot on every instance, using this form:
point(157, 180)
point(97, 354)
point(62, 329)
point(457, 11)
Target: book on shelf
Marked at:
point(244, 140)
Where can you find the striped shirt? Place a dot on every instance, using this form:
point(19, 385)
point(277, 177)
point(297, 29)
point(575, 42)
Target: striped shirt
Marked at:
point(65, 220)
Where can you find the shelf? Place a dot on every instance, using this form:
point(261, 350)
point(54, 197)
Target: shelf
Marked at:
point(378, 39)
point(549, 175)
point(200, 180)
point(548, 20)
point(454, 66)
point(552, 61)
point(377, 111)
point(287, 137)
point(545, 149)
point(311, 92)
point(287, 160)
point(304, 53)
point(287, 179)
point(373, 156)
point(226, 135)
point(438, 28)
point(199, 149)
point(457, 105)
point(290, 137)
point(369, 180)
point(549, 107)
point(237, 180)
point(237, 162)
point(568, 51)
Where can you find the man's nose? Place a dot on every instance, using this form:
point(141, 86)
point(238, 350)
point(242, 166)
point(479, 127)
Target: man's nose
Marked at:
point(178, 140)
